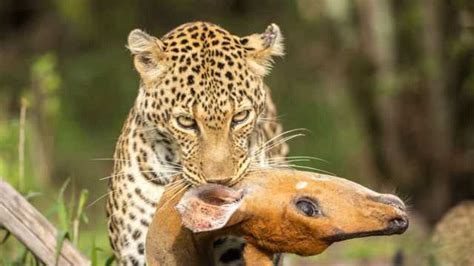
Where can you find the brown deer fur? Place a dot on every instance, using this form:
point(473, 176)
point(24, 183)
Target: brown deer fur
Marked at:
point(271, 212)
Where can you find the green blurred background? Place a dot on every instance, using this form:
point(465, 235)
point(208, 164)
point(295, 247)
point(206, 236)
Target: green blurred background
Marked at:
point(385, 89)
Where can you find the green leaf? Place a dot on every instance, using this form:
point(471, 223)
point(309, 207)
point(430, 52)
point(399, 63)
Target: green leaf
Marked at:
point(5, 238)
point(31, 194)
point(71, 202)
point(63, 214)
point(37, 261)
point(23, 257)
point(93, 253)
point(62, 235)
point(85, 218)
point(110, 260)
point(84, 196)
point(44, 72)
point(52, 210)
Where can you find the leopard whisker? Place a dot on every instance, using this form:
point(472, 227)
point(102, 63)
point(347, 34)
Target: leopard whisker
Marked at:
point(268, 147)
point(317, 170)
point(109, 159)
point(111, 176)
point(271, 163)
point(300, 157)
point(142, 172)
point(98, 199)
point(288, 164)
point(176, 193)
point(175, 187)
point(279, 136)
point(278, 142)
point(177, 165)
point(276, 137)
point(271, 160)
point(174, 182)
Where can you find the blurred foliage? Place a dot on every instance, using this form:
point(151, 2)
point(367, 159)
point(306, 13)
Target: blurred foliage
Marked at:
point(363, 76)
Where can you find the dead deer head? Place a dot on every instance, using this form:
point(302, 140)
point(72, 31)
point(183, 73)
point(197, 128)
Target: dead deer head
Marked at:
point(276, 211)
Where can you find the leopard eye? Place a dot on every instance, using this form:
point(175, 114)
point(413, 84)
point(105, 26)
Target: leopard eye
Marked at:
point(241, 116)
point(186, 122)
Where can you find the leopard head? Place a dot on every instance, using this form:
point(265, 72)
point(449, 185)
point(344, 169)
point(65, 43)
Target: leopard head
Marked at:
point(204, 87)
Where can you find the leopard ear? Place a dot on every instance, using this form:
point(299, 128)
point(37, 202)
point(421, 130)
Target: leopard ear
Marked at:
point(262, 47)
point(147, 53)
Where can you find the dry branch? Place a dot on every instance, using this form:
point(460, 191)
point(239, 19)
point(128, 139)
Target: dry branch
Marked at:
point(30, 227)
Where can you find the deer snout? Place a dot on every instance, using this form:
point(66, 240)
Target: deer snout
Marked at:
point(398, 225)
point(399, 222)
point(390, 200)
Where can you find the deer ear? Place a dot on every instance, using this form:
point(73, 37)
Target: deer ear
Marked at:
point(210, 207)
point(148, 52)
point(262, 47)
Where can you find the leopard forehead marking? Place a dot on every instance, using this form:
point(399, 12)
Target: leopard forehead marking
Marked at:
point(208, 71)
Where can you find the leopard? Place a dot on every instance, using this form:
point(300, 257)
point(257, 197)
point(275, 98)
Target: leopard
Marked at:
point(203, 112)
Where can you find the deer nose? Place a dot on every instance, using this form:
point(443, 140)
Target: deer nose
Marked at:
point(390, 200)
point(398, 225)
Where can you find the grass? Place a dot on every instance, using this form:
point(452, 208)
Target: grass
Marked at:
point(68, 214)
point(66, 210)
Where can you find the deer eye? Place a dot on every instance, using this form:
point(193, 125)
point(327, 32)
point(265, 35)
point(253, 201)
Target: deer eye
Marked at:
point(240, 116)
point(308, 207)
point(186, 122)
